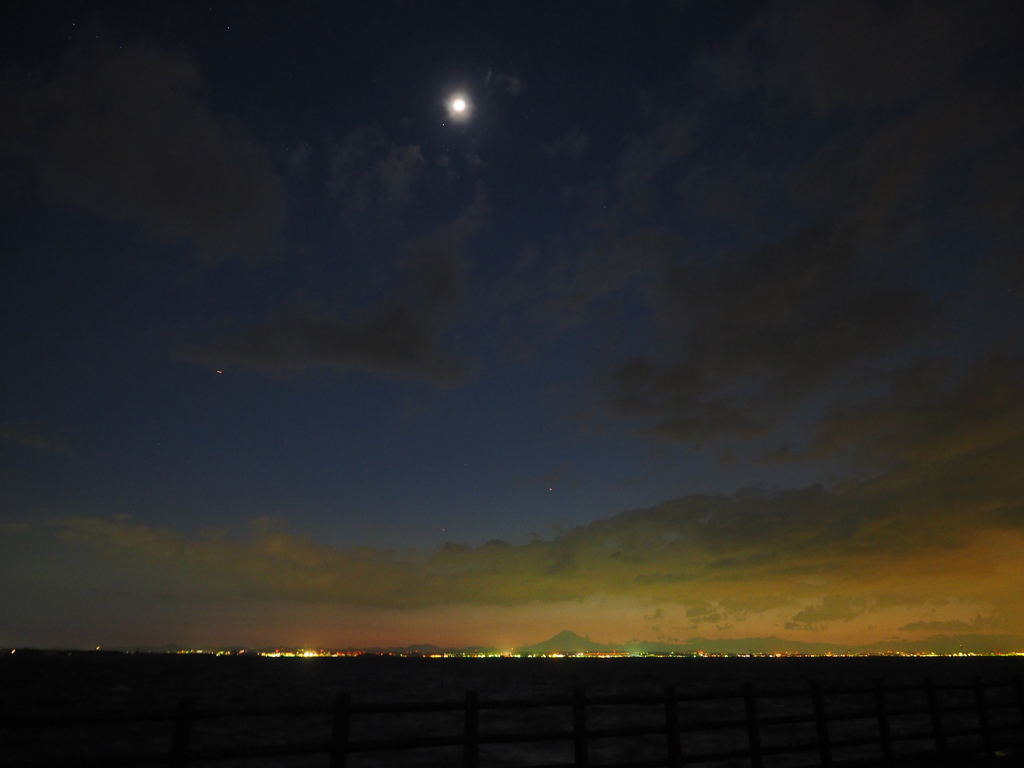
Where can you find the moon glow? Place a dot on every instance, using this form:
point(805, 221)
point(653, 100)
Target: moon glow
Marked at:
point(459, 107)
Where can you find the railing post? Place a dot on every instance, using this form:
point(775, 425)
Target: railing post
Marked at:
point(753, 734)
point(938, 731)
point(821, 723)
point(675, 756)
point(1018, 686)
point(339, 730)
point(471, 743)
point(986, 730)
point(579, 726)
point(884, 735)
point(184, 714)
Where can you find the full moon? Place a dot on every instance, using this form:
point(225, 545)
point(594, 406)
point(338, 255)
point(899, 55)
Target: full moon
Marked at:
point(459, 107)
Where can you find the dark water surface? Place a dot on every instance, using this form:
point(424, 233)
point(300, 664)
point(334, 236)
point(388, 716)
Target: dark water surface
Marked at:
point(51, 683)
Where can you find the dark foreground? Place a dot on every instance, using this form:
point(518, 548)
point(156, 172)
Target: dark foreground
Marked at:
point(623, 706)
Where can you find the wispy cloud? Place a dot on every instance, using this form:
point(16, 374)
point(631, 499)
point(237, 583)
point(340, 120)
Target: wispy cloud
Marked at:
point(374, 180)
point(33, 436)
point(119, 132)
point(398, 338)
point(572, 146)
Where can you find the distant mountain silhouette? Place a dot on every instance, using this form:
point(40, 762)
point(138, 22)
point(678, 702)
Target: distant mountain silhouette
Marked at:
point(568, 642)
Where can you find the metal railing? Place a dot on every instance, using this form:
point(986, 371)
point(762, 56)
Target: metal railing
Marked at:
point(971, 726)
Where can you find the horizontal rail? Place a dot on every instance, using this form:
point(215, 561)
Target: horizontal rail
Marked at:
point(266, 750)
point(295, 750)
point(524, 738)
point(93, 761)
point(8, 720)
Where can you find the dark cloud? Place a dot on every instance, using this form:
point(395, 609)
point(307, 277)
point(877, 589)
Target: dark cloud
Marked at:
point(734, 192)
point(513, 84)
point(743, 339)
point(831, 608)
point(374, 179)
point(299, 161)
point(556, 475)
point(646, 101)
point(887, 176)
point(396, 339)
point(944, 438)
point(120, 133)
point(950, 626)
point(611, 266)
point(435, 264)
point(32, 436)
point(572, 146)
point(620, 247)
point(643, 163)
point(931, 106)
point(510, 83)
point(393, 341)
point(903, 99)
point(876, 55)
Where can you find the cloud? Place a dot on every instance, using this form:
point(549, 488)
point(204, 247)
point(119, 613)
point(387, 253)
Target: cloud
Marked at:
point(398, 338)
point(510, 83)
point(391, 341)
point(572, 146)
point(926, 111)
point(831, 608)
point(979, 624)
point(930, 116)
point(821, 280)
point(941, 437)
point(119, 133)
point(612, 266)
point(703, 612)
point(645, 160)
point(556, 475)
point(513, 84)
point(801, 560)
point(435, 263)
point(374, 179)
point(27, 435)
point(33, 436)
point(746, 338)
point(618, 244)
point(875, 55)
point(729, 191)
point(931, 542)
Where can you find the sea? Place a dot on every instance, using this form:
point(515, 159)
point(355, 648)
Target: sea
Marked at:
point(78, 683)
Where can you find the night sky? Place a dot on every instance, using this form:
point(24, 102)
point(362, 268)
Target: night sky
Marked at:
point(699, 320)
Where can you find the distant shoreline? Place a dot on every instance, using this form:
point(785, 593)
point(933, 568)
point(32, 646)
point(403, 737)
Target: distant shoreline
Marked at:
point(305, 653)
